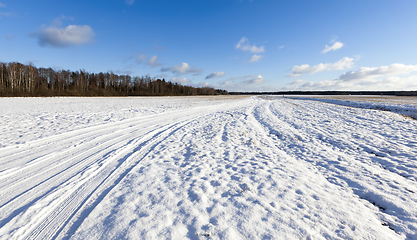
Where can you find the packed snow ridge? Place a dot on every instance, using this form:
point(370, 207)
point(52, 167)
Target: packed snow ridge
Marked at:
point(205, 168)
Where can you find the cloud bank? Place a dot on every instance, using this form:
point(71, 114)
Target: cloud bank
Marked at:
point(367, 72)
point(384, 78)
point(342, 64)
point(248, 83)
point(64, 37)
point(215, 74)
point(245, 83)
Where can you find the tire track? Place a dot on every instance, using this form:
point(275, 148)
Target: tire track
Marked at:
point(340, 162)
point(361, 132)
point(32, 151)
point(50, 186)
point(36, 182)
point(106, 179)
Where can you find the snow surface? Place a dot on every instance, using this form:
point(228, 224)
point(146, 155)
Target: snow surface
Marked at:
point(205, 168)
point(406, 106)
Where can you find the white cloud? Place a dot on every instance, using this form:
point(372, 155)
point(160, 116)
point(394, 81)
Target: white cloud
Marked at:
point(342, 64)
point(153, 61)
point(184, 68)
point(141, 58)
point(180, 80)
point(281, 47)
point(335, 46)
point(366, 78)
point(130, 2)
point(366, 72)
point(244, 45)
point(215, 74)
point(392, 83)
point(64, 37)
point(255, 58)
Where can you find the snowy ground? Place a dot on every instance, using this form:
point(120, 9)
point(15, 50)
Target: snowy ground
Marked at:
point(406, 106)
point(205, 168)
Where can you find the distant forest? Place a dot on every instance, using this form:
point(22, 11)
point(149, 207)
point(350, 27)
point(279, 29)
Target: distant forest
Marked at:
point(17, 79)
point(388, 93)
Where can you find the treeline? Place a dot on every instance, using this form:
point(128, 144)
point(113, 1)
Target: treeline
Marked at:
point(388, 93)
point(17, 79)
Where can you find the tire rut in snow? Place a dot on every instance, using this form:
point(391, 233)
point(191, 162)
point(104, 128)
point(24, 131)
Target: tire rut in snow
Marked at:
point(30, 185)
point(102, 183)
point(59, 180)
point(337, 159)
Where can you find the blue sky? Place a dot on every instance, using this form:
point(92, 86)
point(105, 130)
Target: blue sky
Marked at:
point(237, 45)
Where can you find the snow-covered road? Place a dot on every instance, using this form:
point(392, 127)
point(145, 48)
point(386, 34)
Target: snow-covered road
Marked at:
point(200, 168)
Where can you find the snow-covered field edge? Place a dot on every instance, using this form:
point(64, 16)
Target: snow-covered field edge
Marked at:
point(409, 110)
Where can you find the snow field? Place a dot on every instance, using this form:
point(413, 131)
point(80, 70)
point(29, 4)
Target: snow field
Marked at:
point(406, 106)
point(247, 168)
point(28, 119)
point(72, 166)
point(371, 153)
